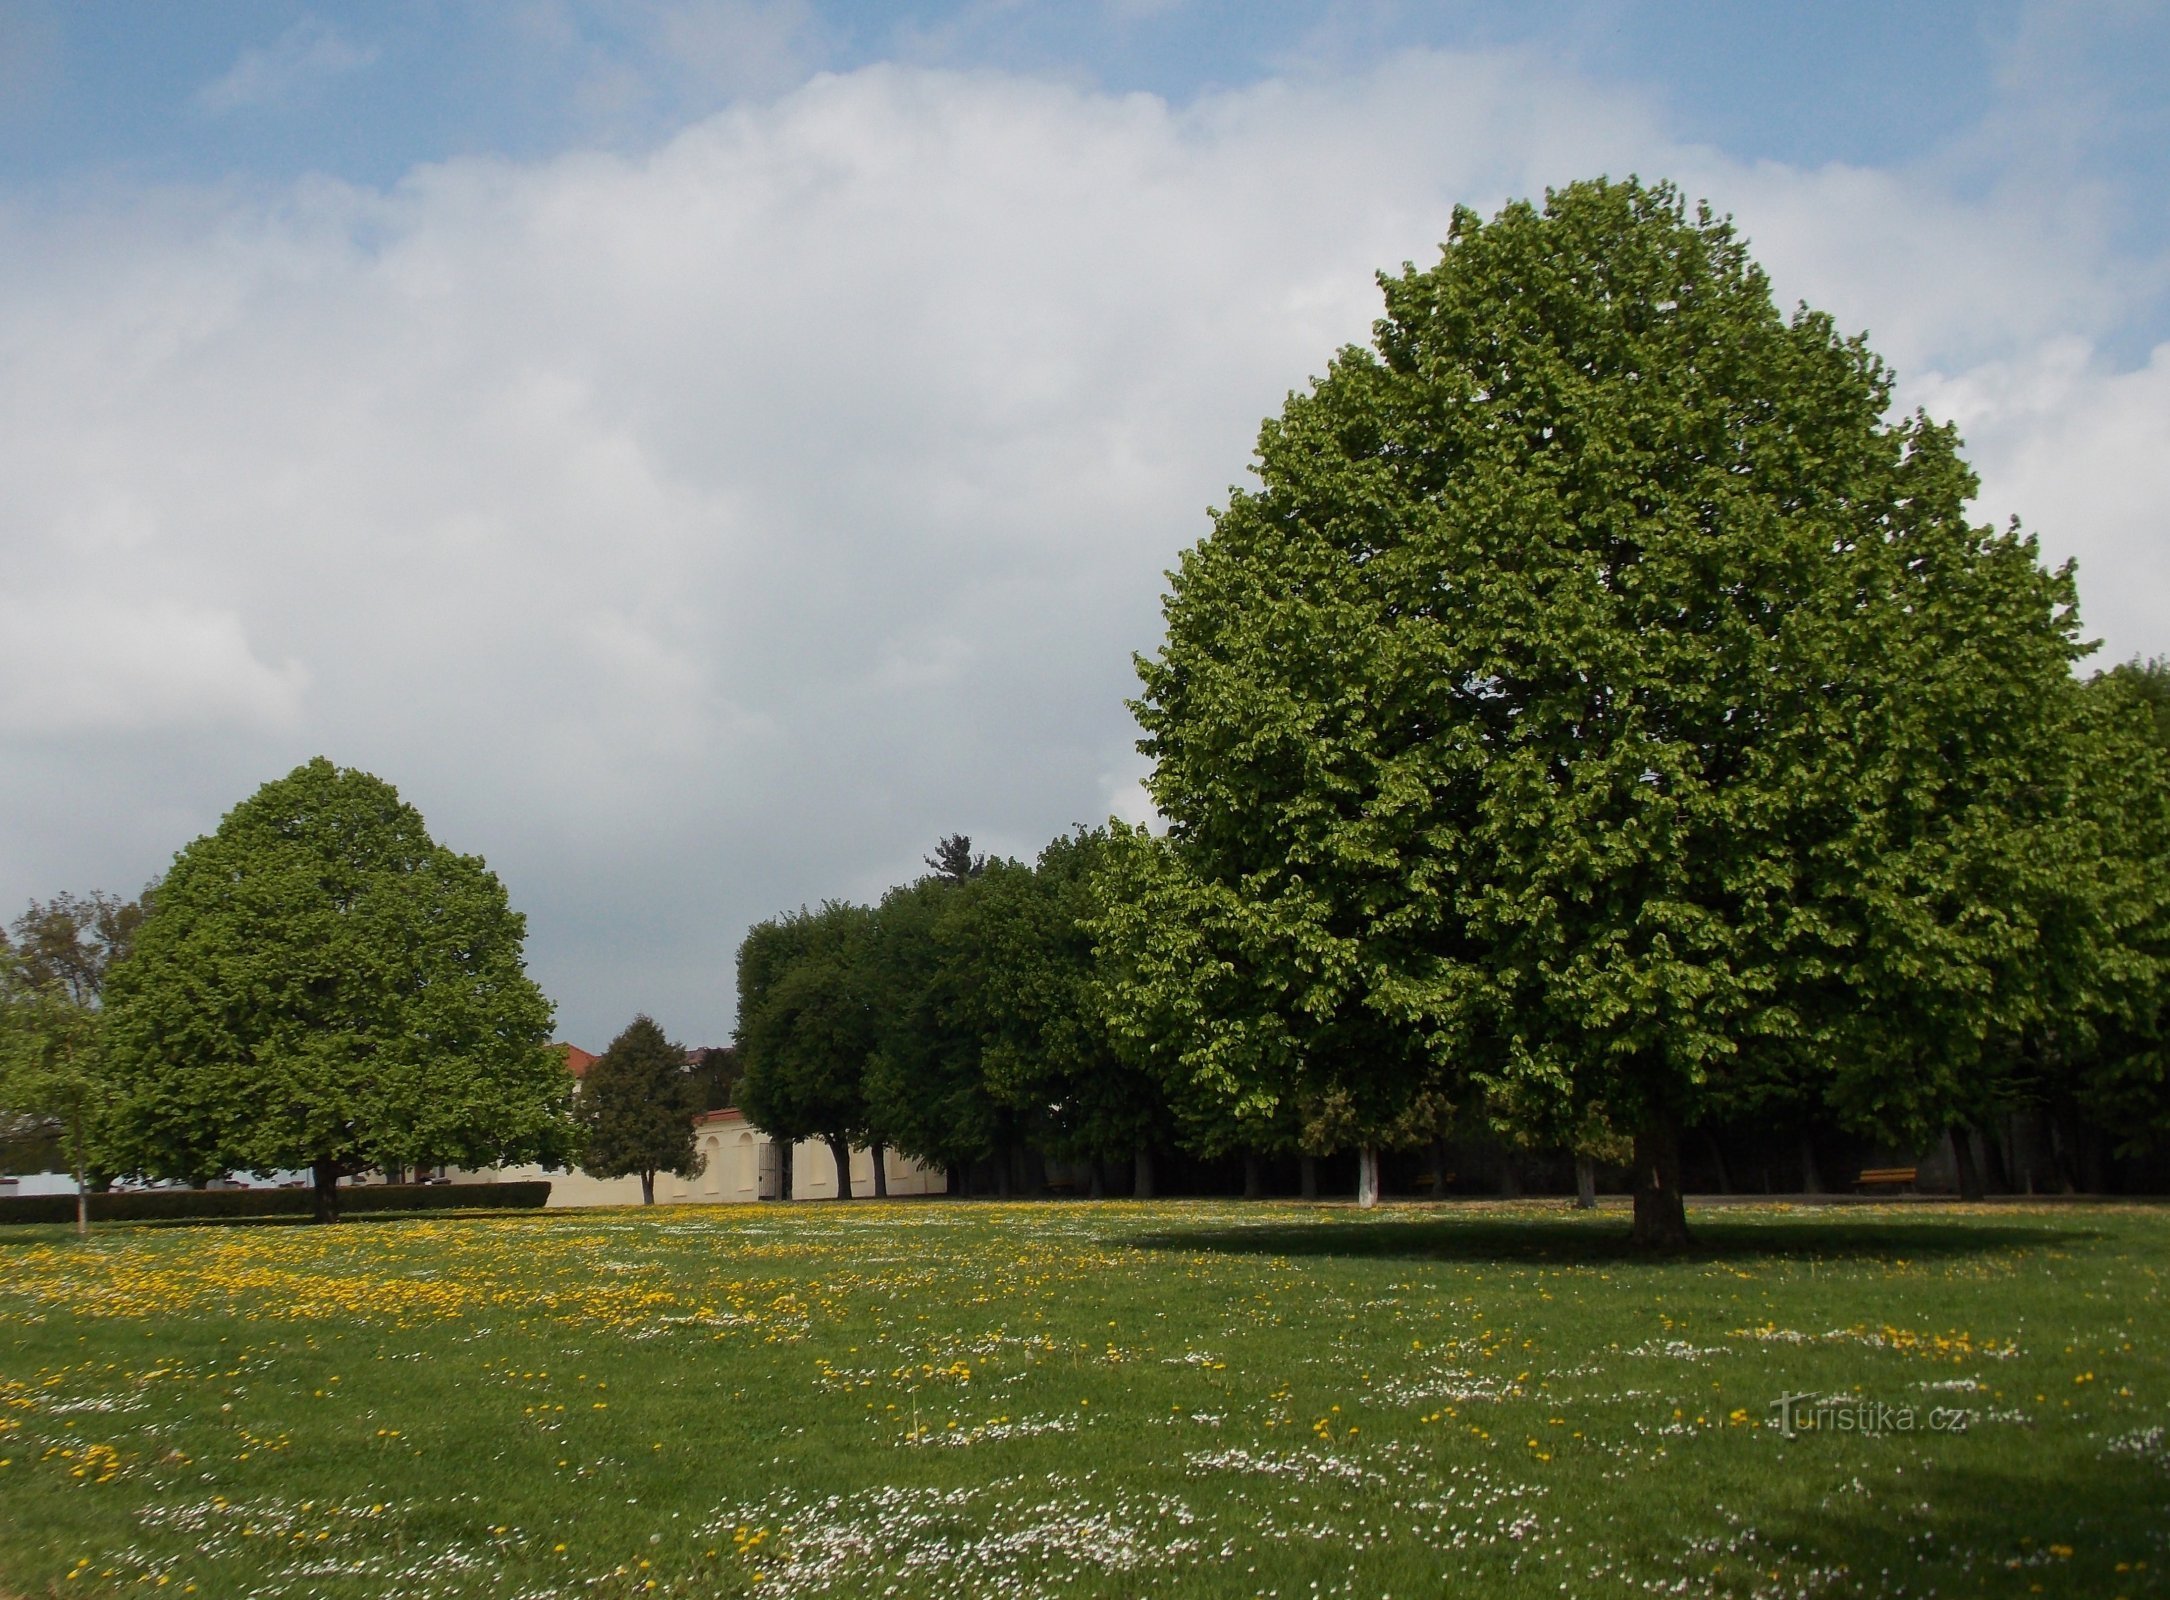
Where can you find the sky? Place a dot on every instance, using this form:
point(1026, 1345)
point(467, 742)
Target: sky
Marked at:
point(702, 452)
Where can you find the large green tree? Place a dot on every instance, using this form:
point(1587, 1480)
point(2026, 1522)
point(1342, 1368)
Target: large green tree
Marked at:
point(926, 1082)
point(1596, 692)
point(1034, 996)
point(320, 984)
point(2096, 1058)
point(806, 1028)
point(636, 1108)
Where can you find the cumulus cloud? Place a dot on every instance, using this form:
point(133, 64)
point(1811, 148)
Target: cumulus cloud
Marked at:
point(705, 531)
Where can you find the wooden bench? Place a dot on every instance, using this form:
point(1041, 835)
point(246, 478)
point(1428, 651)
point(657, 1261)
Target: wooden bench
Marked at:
point(1885, 1177)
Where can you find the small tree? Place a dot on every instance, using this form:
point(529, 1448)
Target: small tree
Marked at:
point(954, 861)
point(636, 1108)
point(52, 983)
point(49, 1064)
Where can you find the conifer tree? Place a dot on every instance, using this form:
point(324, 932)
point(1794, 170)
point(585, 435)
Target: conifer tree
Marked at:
point(636, 1110)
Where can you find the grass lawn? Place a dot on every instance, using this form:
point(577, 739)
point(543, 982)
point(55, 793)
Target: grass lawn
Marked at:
point(1121, 1399)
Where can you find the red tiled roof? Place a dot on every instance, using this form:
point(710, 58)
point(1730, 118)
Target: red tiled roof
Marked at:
point(577, 1059)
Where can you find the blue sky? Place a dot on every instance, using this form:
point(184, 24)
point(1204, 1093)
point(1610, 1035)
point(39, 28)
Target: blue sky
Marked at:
point(703, 451)
point(364, 93)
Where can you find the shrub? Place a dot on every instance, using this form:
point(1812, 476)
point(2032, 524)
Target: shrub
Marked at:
point(226, 1205)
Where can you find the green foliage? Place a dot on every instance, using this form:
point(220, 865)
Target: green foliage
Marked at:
point(715, 1078)
point(636, 1108)
point(926, 1079)
point(1596, 698)
point(806, 1024)
point(319, 984)
point(1040, 1005)
point(71, 942)
point(2101, 1043)
point(52, 980)
point(50, 1074)
point(2147, 682)
point(953, 859)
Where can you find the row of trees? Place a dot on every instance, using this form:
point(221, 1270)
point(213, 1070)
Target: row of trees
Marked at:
point(958, 1021)
point(1601, 719)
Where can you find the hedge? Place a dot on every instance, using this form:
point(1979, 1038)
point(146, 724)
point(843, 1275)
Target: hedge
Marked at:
point(215, 1205)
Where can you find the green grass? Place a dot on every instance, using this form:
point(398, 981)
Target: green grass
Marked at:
point(966, 1399)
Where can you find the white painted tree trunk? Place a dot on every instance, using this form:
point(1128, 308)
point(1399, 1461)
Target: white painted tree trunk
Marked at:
point(1367, 1177)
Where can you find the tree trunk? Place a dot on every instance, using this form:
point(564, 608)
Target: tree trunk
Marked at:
point(1308, 1165)
point(1585, 1184)
point(1440, 1175)
point(326, 1173)
point(841, 1149)
point(1811, 1175)
point(1996, 1167)
point(1003, 1163)
point(2094, 1152)
point(1367, 1176)
point(1962, 1160)
point(1141, 1173)
point(1661, 1212)
point(881, 1178)
point(1254, 1177)
point(1099, 1186)
point(1510, 1181)
point(648, 1188)
point(81, 1166)
point(2063, 1158)
point(1717, 1161)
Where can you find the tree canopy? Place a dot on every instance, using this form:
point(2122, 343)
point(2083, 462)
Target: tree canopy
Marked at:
point(319, 984)
point(806, 1028)
point(636, 1108)
point(52, 983)
point(1597, 697)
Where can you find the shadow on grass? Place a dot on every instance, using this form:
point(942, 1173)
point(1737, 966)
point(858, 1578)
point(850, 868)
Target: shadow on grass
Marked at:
point(2061, 1522)
point(1577, 1241)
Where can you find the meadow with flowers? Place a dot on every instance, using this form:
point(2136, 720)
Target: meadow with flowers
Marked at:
point(1090, 1399)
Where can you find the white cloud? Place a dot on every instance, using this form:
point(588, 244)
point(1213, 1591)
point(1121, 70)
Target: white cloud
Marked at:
point(287, 71)
point(706, 532)
point(2076, 450)
point(96, 663)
